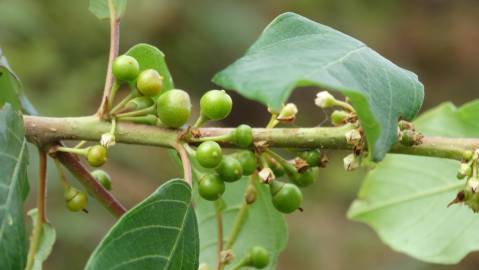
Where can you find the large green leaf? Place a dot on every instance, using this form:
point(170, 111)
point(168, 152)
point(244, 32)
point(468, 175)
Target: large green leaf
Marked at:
point(13, 188)
point(9, 84)
point(295, 51)
point(45, 245)
point(151, 57)
point(405, 198)
point(101, 10)
point(10, 88)
point(159, 233)
point(264, 226)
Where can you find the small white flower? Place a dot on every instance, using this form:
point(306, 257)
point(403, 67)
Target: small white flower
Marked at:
point(288, 113)
point(266, 175)
point(353, 137)
point(324, 100)
point(473, 184)
point(351, 162)
point(107, 140)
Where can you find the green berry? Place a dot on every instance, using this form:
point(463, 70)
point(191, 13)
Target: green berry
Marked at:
point(125, 68)
point(339, 118)
point(76, 200)
point(248, 161)
point(174, 108)
point(312, 157)
point(103, 178)
point(216, 104)
point(97, 155)
point(467, 155)
point(258, 257)
point(149, 83)
point(209, 154)
point(230, 169)
point(243, 136)
point(286, 197)
point(211, 187)
point(306, 178)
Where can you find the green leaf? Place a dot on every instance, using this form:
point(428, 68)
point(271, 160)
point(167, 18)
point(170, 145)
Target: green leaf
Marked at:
point(151, 57)
point(45, 245)
point(9, 84)
point(405, 198)
point(294, 51)
point(159, 233)
point(10, 88)
point(100, 8)
point(13, 188)
point(264, 226)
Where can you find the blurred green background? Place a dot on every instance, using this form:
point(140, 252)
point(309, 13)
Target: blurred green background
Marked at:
point(60, 51)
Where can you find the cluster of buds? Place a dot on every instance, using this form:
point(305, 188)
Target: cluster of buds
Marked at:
point(468, 170)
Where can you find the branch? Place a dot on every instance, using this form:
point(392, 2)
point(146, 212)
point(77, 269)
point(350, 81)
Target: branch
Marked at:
point(41, 217)
point(114, 45)
point(47, 130)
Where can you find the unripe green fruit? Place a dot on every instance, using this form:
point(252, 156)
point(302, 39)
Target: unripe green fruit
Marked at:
point(97, 155)
point(209, 154)
point(103, 178)
point(338, 117)
point(312, 157)
point(174, 108)
point(70, 192)
point(286, 197)
point(248, 161)
point(125, 68)
point(306, 178)
point(149, 83)
point(76, 200)
point(258, 257)
point(216, 104)
point(230, 169)
point(211, 187)
point(243, 136)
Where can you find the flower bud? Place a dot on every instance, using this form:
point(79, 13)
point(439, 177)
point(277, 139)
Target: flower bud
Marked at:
point(288, 113)
point(203, 266)
point(250, 194)
point(266, 175)
point(324, 100)
point(467, 155)
point(339, 117)
point(473, 184)
point(107, 140)
point(226, 256)
point(464, 170)
point(351, 162)
point(353, 137)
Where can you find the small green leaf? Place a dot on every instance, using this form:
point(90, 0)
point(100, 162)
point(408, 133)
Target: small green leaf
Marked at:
point(264, 226)
point(101, 10)
point(405, 198)
point(151, 57)
point(45, 245)
point(294, 51)
point(159, 233)
point(13, 188)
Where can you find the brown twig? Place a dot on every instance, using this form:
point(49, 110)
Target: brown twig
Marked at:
point(185, 160)
point(114, 45)
point(42, 186)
